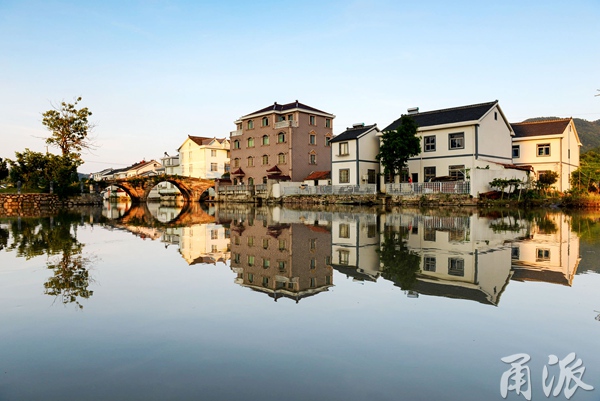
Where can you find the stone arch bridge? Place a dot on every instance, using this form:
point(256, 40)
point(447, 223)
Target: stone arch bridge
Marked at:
point(138, 188)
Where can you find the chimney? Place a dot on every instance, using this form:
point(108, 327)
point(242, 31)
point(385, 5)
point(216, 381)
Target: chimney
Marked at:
point(413, 110)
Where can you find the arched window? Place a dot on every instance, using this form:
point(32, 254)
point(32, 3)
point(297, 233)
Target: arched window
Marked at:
point(327, 140)
point(265, 121)
point(265, 181)
point(250, 181)
point(265, 139)
point(250, 142)
point(281, 137)
point(312, 157)
point(236, 162)
point(236, 144)
point(250, 124)
point(250, 161)
point(265, 159)
point(281, 158)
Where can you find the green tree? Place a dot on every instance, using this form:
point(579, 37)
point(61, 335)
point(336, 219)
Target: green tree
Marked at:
point(546, 180)
point(587, 176)
point(70, 128)
point(397, 146)
point(36, 170)
point(3, 169)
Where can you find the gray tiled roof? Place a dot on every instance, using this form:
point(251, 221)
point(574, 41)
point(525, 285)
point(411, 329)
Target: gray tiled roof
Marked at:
point(538, 128)
point(352, 133)
point(288, 106)
point(447, 116)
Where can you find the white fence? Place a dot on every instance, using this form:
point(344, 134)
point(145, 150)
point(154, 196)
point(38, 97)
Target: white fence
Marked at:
point(420, 188)
point(369, 189)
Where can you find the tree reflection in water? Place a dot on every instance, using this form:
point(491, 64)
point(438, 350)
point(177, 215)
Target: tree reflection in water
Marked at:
point(398, 263)
point(55, 237)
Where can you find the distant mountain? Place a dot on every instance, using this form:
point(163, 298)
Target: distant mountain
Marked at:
point(588, 131)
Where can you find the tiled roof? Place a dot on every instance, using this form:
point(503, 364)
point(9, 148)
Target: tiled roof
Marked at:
point(203, 141)
point(319, 175)
point(288, 106)
point(274, 169)
point(239, 171)
point(539, 128)
point(447, 116)
point(353, 133)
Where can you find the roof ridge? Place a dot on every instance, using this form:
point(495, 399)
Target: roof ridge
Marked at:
point(468, 106)
point(543, 121)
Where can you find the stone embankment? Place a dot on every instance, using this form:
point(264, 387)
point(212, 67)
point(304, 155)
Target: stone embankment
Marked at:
point(42, 204)
point(424, 200)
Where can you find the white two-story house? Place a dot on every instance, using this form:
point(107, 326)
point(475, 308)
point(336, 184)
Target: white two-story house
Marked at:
point(551, 145)
point(457, 141)
point(202, 157)
point(354, 156)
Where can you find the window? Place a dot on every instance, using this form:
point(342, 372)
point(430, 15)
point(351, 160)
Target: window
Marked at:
point(328, 123)
point(327, 141)
point(542, 255)
point(429, 173)
point(250, 124)
point(236, 258)
point(250, 277)
point(343, 149)
point(213, 167)
point(265, 121)
point(265, 243)
point(344, 257)
point(280, 118)
point(236, 144)
point(281, 137)
point(542, 173)
point(265, 281)
point(265, 159)
point(266, 263)
point(313, 282)
point(313, 263)
point(238, 126)
point(281, 265)
point(371, 176)
point(290, 117)
point(543, 149)
point(457, 172)
point(250, 260)
point(312, 244)
point(250, 241)
point(516, 151)
point(250, 161)
point(312, 139)
point(344, 230)
point(312, 159)
point(282, 245)
point(429, 142)
point(327, 260)
point(250, 142)
point(429, 264)
point(495, 115)
point(312, 120)
point(515, 253)
point(281, 158)
point(456, 267)
point(213, 153)
point(371, 231)
point(227, 167)
point(344, 176)
point(429, 234)
point(456, 141)
point(265, 139)
point(236, 162)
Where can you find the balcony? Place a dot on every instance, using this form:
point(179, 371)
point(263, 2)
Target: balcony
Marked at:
point(285, 124)
point(236, 133)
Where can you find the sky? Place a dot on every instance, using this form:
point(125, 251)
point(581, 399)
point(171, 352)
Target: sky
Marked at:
point(153, 72)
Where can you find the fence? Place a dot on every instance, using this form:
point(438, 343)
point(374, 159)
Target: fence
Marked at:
point(419, 188)
point(370, 189)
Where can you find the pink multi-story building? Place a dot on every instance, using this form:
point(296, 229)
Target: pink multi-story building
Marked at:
point(283, 142)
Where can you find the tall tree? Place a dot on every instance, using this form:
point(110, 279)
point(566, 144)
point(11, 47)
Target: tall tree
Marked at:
point(70, 128)
point(397, 146)
point(3, 169)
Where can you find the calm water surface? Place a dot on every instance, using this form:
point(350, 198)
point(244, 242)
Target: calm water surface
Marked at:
point(244, 303)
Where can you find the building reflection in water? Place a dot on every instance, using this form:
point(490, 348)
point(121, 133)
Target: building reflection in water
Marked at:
point(280, 258)
point(549, 253)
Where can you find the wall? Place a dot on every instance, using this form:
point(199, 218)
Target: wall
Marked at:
point(480, 178)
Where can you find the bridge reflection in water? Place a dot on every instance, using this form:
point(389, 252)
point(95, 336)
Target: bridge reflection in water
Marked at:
point(292, 253)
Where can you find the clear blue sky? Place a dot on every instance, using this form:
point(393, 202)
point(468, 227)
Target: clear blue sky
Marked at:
point(153, 72)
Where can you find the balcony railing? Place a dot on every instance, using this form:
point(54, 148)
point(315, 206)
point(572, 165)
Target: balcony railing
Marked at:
point(236, 132)
point(419, 188)
point(286, 123)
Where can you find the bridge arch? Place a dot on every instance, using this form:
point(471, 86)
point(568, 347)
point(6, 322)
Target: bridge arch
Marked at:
point(138, 188)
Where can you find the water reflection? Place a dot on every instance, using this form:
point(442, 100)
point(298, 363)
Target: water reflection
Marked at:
point(292, 253)
point(55, 237)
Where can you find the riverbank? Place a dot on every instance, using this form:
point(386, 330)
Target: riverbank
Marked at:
point(42, 204)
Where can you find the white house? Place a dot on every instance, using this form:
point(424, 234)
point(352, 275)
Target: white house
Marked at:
point(202, 157)
point(551, 145)
point(456, 142)
point(354, 156)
